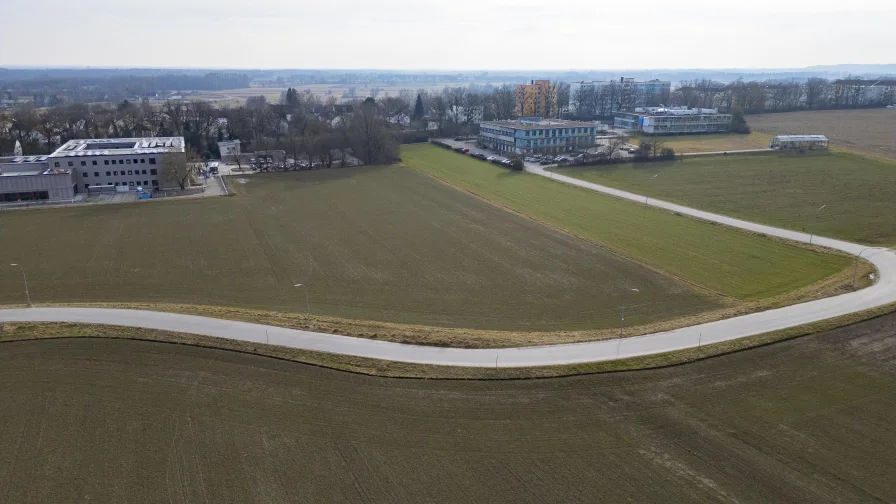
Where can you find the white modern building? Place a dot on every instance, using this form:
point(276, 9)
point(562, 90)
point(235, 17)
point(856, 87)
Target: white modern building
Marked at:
point(118, 162)
point(673, 120)
point(809, 142)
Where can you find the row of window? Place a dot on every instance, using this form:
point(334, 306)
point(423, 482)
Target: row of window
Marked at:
point(560, 131)
point(113, 161)
point(24, 196)
point(152, 171)
point(130, 183)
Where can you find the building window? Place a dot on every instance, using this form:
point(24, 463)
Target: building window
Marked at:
point(114, 162)
point(145, 182)
point(131, 183)
point(86, 174)
point(105, 161)
point(94, 163)
point(130, 172)
point(115, 173)
point(155, 183)
point(71, 164)
point(144, 172)
point(152, 160)
point(153, 171)
point(142, 160)
point(96, 174)
point(108, 174)
point(128, 161)
point(83, 163)
point(57, 164)
point(86, 186)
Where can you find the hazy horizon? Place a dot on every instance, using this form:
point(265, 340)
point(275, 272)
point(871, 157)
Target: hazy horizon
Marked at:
point(466, 35)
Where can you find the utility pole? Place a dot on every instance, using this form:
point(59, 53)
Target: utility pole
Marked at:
point(25, 278)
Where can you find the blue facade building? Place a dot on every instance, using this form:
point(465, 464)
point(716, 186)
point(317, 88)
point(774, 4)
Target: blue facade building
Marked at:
point(532, 135)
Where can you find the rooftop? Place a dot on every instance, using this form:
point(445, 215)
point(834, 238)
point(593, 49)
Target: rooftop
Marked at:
point(672, 111)
point(119, 146)
point(801, 138)
point(528, 124)
point(23, 159)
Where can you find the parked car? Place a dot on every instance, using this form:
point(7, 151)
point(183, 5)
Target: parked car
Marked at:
point(466, 150)
point(479, 155)
point(458, 139)
point(545, 162)
point(492, 158)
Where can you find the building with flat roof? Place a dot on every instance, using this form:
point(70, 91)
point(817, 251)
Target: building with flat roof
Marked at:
point(673, 121)
point(29, 178)
point(809, 142)
point(117, 162)
point(538, 136)
point(603, 98)
point(536, 99)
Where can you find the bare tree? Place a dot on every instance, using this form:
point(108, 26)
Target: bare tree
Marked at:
point(237, 160)
point(179, 169)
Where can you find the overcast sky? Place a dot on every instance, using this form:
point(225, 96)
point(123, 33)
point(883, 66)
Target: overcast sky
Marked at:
point(448, 34)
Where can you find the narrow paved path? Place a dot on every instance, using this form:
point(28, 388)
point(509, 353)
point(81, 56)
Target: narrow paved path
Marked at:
point(881, 293)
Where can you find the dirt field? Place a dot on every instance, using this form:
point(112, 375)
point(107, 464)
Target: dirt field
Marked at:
point(781, 189)
point(384, 244)
point(808, 420)
point(713, 143)
point(869, 131)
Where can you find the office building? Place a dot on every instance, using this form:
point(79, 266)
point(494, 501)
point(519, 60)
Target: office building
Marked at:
point(673, 120)
point(538, 136)
point(537, 99)
point(603, 98)
point(116, 162)
point(27, 178)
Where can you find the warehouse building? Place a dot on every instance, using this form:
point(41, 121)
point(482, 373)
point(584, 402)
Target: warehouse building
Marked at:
point(808, 142)
point(538, 136)
point(118, 162)
point(30, 179)
point(673, 120)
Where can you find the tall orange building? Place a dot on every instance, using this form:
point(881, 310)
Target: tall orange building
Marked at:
point(537, 99)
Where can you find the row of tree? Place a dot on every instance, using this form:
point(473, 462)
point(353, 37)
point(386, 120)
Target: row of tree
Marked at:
point(753, 97)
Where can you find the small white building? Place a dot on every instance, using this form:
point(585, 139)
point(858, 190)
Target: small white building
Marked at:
point(229, 148)
point(809, 142)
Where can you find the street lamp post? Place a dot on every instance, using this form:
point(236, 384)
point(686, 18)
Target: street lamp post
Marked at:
point(25, 278)
point(307, 306)
point(855, 268)
point(815, 222)
point(622, 323)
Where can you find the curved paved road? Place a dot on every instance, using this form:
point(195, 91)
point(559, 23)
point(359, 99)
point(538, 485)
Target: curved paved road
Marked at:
point(881, 293)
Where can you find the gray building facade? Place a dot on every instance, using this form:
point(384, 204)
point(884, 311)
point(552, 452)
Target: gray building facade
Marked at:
point(117, 162)
point(30, 179)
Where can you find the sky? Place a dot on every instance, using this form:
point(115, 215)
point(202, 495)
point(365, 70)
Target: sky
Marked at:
point(453, 34)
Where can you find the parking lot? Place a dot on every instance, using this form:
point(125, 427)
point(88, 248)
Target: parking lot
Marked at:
point(475, 149)
point(527, 161)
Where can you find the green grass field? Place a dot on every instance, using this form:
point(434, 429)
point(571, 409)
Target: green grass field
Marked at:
point(782, 189)
point(723, 260)
point(805, 421)
point(378, 243)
